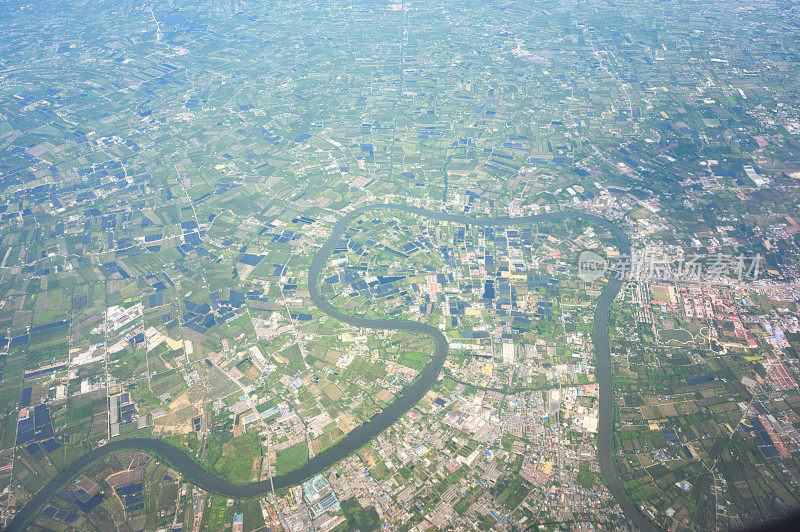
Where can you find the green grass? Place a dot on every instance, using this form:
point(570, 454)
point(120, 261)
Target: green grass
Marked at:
point(216, 519)
point(49, 335)
point(9, 427)
point(413, 359)
point(252, 515)
point(79, 412)
point(380, 471)
point(291, 458)
point(510, 491)
point(585, 477)
point(359, 518)
point(238, 455)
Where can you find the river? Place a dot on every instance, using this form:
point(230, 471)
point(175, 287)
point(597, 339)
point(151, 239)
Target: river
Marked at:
point(404, 401)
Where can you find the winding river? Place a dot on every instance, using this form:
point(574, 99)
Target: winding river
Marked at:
point(405, 400)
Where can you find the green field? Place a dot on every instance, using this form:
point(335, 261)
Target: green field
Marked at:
point(291, 458)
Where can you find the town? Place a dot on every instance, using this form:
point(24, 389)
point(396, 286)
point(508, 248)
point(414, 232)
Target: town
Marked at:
point(169, 175)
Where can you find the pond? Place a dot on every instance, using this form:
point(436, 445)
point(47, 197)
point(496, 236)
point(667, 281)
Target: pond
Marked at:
point(681, 335)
